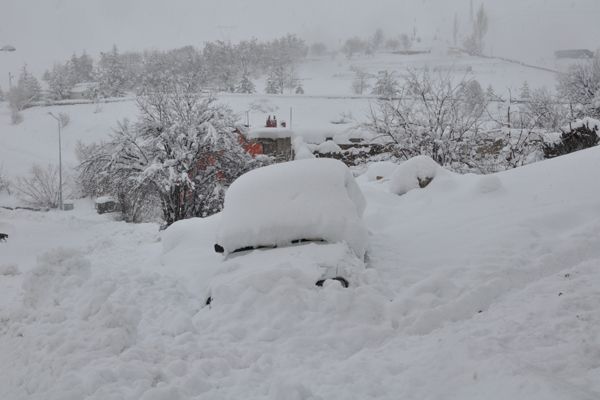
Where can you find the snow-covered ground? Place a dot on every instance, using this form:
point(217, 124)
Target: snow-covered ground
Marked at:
point(475, 287)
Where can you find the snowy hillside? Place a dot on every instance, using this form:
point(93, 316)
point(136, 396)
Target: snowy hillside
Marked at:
point(328, 87)
point(476, 287)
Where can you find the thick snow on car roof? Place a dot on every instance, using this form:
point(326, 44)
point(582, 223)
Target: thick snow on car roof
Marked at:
point(304, 199)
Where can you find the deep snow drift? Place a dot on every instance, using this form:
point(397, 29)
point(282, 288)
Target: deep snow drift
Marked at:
point(475, 287)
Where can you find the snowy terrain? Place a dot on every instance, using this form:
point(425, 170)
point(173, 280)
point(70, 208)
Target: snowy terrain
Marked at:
point(475, 287)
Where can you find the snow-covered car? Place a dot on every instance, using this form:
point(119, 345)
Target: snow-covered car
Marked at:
point(308, 210)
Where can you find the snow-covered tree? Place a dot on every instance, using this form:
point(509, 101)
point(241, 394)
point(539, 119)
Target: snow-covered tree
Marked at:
point(406, 42)
point(435, 116)
point(474, 43)
point(386, 85)
point(352, 46)
point(377, 40)
point(360, 82)
point(82, 68)
point(111, 74)
point(27, 91)
point(184, 150)
point(245, 85)
point(276, 80)
point(580, 85)
point(61, 80)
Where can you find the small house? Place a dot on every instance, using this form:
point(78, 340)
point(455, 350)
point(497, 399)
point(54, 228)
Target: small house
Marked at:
point(275, 142)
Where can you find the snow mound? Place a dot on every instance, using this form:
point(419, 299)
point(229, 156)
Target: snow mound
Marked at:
point(380, 170)
point(413, 174)
point(329, 147)
point(301, 150)
point(303, 199)
point(488, 184)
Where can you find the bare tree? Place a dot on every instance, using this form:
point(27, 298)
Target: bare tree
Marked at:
point(40, 188)
point(580, 85)
point(433, 115)
point(360, 83)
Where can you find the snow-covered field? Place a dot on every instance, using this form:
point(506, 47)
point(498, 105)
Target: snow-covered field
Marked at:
point(328, 95)
point(476, 287)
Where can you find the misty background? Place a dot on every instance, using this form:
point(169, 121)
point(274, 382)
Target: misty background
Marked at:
point(48, 31)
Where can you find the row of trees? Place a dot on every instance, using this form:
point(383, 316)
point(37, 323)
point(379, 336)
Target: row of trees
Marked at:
point(369, 46)
point(220, 65)
point(450, 120)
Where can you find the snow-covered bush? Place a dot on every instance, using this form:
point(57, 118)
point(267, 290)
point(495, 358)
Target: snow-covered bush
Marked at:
point(184, 150)
point(418, 172)
point(315, 199)
point(580, 135)
point(40, 188)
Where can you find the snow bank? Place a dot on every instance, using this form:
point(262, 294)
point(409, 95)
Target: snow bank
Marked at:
point(588, 122)
point(301, 150)
point(303, 199)
point(329, 147)
point(413, 174)
point(380, 170)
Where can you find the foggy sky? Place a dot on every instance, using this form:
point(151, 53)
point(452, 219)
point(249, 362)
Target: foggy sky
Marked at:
point(46, 31)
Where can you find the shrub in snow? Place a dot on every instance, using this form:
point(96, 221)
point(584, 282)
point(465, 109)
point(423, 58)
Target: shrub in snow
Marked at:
point(581, 135)
point(435, 115)
point(418, 172)
point(40, 188)
point(314, 199)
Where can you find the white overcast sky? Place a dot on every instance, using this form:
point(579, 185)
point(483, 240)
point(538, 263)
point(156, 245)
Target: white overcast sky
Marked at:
point(45, 31)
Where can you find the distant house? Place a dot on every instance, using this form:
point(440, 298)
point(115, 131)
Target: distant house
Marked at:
point(276, 142)
point(574, 54)
point(82, 90)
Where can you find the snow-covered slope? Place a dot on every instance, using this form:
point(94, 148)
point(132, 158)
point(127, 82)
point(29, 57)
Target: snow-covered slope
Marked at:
point(476, 287)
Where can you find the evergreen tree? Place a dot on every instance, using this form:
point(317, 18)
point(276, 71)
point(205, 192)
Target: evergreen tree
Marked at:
point(246, 86)
point(275, 81)
point(386, 85)
point(60, 81)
